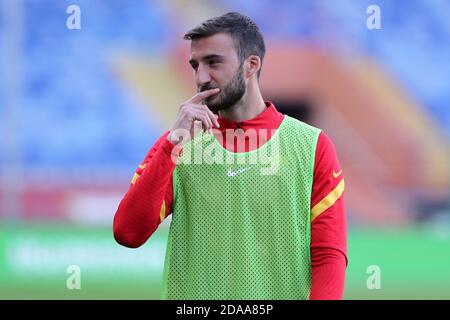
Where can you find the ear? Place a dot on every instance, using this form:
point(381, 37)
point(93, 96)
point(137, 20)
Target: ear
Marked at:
point(253, 64)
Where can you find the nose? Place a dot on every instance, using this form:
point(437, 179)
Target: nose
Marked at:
point(202, 76)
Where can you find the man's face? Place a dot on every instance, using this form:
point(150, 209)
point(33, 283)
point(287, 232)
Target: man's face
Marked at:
point(216, 65)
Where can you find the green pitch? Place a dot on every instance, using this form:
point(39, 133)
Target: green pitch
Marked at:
point(34, 261)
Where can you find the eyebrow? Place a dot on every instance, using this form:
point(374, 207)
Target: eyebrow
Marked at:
point(208, 57)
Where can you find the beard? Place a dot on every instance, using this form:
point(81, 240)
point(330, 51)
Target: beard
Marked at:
point(230, 95)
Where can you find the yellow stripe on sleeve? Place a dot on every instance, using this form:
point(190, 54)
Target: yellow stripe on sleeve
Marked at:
point(135, 177)
point(328, 201)
point(162, 213)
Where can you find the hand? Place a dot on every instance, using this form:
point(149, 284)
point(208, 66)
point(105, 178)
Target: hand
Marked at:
point(190, 112)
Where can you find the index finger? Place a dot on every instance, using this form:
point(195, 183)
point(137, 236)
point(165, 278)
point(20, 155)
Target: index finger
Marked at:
point(199, 97)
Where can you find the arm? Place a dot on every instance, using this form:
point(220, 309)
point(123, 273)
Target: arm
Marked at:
point(328, 224)
point(149, 198)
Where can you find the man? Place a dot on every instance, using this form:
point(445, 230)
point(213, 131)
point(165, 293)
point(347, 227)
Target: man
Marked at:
point(240, 229)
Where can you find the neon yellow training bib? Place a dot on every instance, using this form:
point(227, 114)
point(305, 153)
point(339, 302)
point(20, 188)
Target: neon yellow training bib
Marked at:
point(241, 221)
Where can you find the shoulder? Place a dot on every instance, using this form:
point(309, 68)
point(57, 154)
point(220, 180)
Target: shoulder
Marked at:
point(325, 149)
point(301, 131)
point(327, 167)
point(298, 124)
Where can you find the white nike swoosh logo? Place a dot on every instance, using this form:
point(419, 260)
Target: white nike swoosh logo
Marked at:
point(235, 173)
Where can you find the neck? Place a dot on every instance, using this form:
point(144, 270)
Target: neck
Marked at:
point(250, 106)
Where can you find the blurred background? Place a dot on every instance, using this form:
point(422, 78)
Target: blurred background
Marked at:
point(80, 108)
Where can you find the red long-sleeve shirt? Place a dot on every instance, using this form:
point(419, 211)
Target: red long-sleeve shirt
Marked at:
point(150, 197)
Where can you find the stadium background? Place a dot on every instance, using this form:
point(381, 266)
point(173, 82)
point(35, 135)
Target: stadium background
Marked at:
point(79, 109)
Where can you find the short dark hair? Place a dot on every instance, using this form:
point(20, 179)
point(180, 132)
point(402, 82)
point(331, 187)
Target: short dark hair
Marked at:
point(245, 33)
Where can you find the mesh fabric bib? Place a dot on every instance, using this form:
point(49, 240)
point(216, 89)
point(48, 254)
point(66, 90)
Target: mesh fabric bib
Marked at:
point(241, 221)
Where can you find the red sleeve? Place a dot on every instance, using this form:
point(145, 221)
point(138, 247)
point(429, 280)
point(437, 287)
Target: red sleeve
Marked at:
point(328, 226)
point(149, 198)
